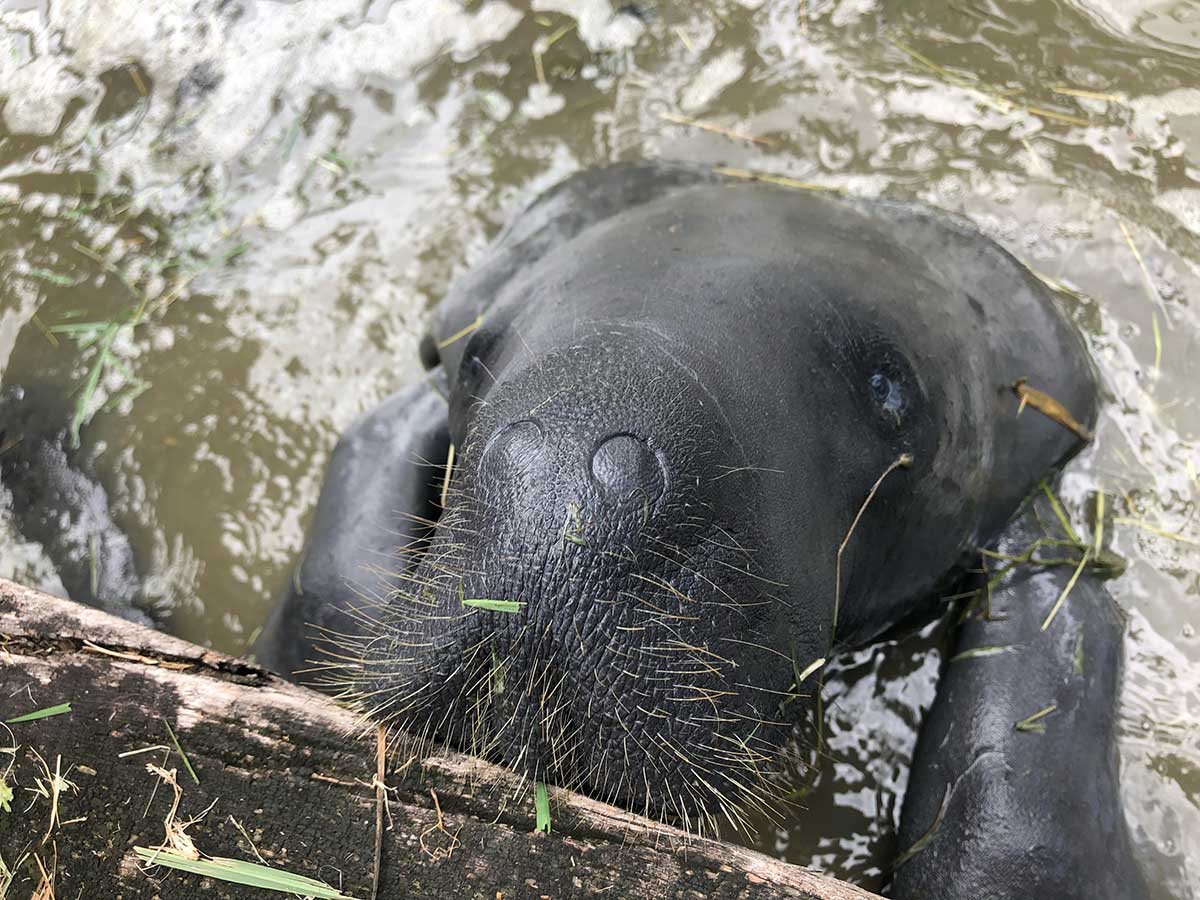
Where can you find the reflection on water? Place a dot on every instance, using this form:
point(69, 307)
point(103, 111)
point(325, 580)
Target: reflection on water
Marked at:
point(261, 201)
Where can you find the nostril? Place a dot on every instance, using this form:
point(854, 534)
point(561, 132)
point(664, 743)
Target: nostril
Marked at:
point(624, 466)
point(518, 445)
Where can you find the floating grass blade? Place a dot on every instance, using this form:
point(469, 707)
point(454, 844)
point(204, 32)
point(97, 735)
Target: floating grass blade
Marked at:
point(54, 277)
point(1157, 343)
point(1147, 279)
point(235, 871)
point(187, 763)
point(541, 803)
point(1088, 95)
point(46, 713)
point(504, 606)
point(715, 129)
point(781, 180)
point(46, 332)
point(1154, 529)
point(995, 99)
point(93, 381)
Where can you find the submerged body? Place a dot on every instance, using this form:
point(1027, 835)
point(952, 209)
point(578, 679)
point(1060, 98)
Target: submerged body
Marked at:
point(62, 507)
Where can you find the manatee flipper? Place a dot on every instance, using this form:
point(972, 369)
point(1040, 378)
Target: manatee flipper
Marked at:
point(381, 487)
point(1003, 802)
point(60, 506)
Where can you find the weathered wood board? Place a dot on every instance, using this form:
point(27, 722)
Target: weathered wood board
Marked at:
point(296, 773)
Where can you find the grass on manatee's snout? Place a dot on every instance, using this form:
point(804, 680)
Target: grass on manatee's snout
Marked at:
point(501, 606)
point(572, 529)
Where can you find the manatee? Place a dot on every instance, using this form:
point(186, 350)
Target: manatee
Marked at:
point(706, 434)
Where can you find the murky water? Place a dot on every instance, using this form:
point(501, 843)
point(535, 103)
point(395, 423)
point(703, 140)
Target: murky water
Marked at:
point(284, 189)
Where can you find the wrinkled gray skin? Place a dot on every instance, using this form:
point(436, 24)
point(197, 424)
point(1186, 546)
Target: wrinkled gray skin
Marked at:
point(1032, 811)
point(670, 396)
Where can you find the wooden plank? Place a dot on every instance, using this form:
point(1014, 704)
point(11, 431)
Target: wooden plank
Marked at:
point(296, 772)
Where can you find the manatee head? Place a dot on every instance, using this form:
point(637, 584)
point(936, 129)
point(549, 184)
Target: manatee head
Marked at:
point(698, 453)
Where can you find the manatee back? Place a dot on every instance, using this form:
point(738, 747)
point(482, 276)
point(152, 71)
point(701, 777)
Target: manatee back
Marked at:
point(62, 507)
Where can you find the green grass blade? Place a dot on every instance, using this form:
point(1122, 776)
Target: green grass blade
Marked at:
point(1060, 514)
point(77, 327)
point(504, 606)
point(236, 871)
point(46, 713)
point(541, 803)
point(54, 277)
point(1062, 598)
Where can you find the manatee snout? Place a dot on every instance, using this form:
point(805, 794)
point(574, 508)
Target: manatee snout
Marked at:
point(588, 654)
point(591, 610)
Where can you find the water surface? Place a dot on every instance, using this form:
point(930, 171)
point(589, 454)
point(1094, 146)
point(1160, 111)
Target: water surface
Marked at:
point(285, 189)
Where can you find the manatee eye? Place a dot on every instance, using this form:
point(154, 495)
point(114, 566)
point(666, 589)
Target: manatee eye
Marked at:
point(888, 394)
point(475, 375)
